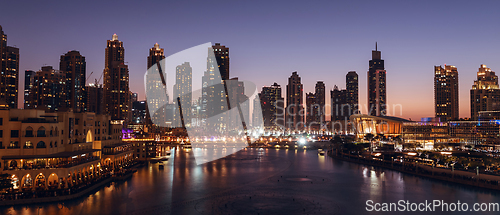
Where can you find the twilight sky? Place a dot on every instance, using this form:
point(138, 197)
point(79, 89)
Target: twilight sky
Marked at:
point(268, 40)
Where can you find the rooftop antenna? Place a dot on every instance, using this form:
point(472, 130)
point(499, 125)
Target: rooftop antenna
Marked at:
point(376, 46)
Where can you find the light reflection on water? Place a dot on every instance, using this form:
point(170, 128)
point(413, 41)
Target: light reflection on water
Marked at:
point(182, 185)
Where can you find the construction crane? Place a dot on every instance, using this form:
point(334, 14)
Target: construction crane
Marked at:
point(87, 80)
point(97, 81)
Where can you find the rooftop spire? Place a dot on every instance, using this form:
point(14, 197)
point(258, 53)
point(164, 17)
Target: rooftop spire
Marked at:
point(376, 46)
point(115, 37)
point(157, 46)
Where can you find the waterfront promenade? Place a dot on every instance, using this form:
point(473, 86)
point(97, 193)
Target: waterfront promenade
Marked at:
point(444, 174)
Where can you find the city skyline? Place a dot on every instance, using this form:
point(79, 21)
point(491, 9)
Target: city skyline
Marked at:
point(407, 50)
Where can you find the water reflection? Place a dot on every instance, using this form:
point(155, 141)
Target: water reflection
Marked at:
point(184, 187)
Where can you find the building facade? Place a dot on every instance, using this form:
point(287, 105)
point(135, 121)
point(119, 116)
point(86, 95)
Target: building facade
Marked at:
point(73, 65)
point(156, 55)
point(9, 72)
point(485, 93)
point(352, 92)
point(446, 92)
point(42, 150)
point(116, 80)
point(29, 76)
point(222, 57)
point(272, 106)
point(294, 113)
point(183, 88)
point(48, 90)
point(377, 97)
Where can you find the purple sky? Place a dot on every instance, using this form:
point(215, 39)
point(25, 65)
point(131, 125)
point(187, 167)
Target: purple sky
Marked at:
point(268, 40)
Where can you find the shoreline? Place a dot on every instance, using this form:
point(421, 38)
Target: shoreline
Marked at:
point(421, 173)
point(95, 187)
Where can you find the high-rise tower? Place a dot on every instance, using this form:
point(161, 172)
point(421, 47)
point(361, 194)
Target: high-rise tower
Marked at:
point(320, 101)
point(294, 103)
point(485, 93)
point(73, 65)
point(222, 58)
point(352, 93)
point(376, 85)
point(446, 92)
point(272, 105)
point(182, 90)
point(156, 54)
point(116, 80)
point(9, 72)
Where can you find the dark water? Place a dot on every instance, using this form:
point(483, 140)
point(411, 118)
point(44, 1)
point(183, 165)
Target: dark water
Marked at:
point(268, 181)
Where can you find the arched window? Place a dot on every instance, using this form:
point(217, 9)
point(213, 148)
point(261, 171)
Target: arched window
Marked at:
point(56, 132)
point(29, 132)
point(13, 145)
point(40, 132)
point(41, 144)
point(55, 144)
point(28, 145)
point(51, 132)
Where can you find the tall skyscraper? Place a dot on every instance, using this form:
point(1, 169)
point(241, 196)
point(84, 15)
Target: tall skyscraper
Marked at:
point(9, 72)
point(446, 92)
point(73, 65)
point(116, 80)
point(183, 90)
point(214, 101)
point(236, 96)
point(156, 54)
point(485, 93)
point(312, 109)
point(352, 93)
point(339, 107)
point(29, 76)
point(272, 106)
point(376, 85)
point(315, 105)
point(320, 101)
point(345, 102)
point(49, 90)
point(222, 58)
point(294, 103)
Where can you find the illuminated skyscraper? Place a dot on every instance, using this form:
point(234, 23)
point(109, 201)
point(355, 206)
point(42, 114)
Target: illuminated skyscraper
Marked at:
point(485, 93)
point(376, 85)
point(345, 102)
point(183, 90)
point(272, 105)
point(74, 67)
point(352, 93)
point(116, 80)
point(319, 113)
point(49, 90)
point(29, 76)
point(213, 100)
point(339, 104)
point(156, 54)
point(446, 92)
point(222, 58)
point(312, 109)
point(9, 72)
point(294, 103)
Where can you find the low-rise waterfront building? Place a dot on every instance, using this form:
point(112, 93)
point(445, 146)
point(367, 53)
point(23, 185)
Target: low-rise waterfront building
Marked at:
point(51, 150)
